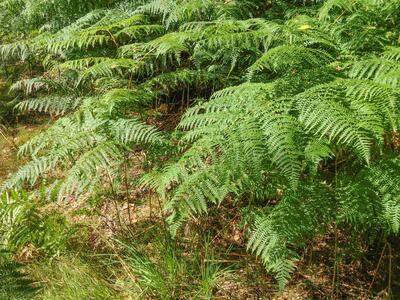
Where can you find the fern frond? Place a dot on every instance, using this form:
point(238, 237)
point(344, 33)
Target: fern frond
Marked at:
point(375, 68)
point(81, 41)
point(290, 222)
point(81, 63)
point(280, 130)
point(323, 113)
point(383, 96)
point(138, 32)
point(285, 58)
point(342, 5)
point(392, 53)
point(158, 7)
point(391, 212)
point(31, 85)
point(58, 105)
point(111, 66)
point(117, 100)
point(17, 50)
point(371, 198)
point(30, 172)
point(86, 21)
point(84, 175)
point(133, 131)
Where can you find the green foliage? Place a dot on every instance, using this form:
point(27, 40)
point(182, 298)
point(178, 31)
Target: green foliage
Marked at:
point(163, 272)
point(70, 278)
point(15, 285)
point(295, 103)
point(24, 225)
point(291, 223)
point(279, 59)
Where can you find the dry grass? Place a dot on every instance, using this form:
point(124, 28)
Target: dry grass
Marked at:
point(10, 139)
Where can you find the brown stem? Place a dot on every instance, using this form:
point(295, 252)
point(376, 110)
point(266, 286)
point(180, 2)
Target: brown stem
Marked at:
point(390, 270)
point(113, 38)
point(377, 267)
point(10, 141)
point(127, 189)
point(114, 199)
point(335, 267)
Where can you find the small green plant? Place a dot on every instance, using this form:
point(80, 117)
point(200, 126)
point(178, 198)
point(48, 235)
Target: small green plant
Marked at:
point(70, 277)
point(212, 273)
point(15, 284)
point(24, 226)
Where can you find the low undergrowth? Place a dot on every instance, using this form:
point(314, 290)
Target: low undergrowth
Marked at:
point(199, 149)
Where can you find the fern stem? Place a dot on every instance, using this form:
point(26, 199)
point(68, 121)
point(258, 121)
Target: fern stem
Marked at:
point(11, 142)
point(127, 188)
point(335, 267)
point(377, 267)
point(335, 280)
point(113, 38)
point(114, 199)
point(390, 270)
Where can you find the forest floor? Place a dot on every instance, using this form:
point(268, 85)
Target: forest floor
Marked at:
point(318, 275)
point(10, 139)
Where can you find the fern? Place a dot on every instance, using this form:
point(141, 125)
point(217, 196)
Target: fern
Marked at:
point(128, 131)
point(22, 224)
point(52, 104)
point(83, 176)
point(371, 198)
point(281, 58)
point(325, 116)
point(285, 226)
point(268, 100)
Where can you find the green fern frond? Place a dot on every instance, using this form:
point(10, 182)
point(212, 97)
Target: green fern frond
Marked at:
point(371, 198)
point(158, 7)
point(17, 50)
point(30, 172)
point(280, 131)
point(85, 172)
point(138, 32)
point(133, 131)
point(391, 212)
point(81, 63)
point(58, 105)
point(392, 53)
point(322, 111)
point(31, 85)
point(111, 66)
point(81, 41)
point(118, 100)
point(342, 5)
point(23, 223)
point(384, 97)
point(290, 222)
point(86, 21)
point(375, 68)
point(286, 58)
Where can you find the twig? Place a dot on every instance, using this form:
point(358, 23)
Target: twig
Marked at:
point(390, 270)
point(127, 189)
point(377, 268)
point(115, 199)
point(11, 142)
